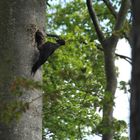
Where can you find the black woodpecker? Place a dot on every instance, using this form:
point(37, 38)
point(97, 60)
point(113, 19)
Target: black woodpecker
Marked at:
point(45, 50)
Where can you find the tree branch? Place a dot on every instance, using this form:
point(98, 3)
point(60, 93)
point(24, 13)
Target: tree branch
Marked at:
point(115, 14)
point(126, 58)
point(121, 15)
point(111, 8)
point(95, 21)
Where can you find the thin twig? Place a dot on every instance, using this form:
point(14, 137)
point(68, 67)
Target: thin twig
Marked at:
point(128, 59)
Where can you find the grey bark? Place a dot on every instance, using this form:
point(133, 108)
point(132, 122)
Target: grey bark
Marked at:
point(135, 81)
point(18, 21)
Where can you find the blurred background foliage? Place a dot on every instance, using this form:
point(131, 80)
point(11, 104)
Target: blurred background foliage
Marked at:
point(73, 77)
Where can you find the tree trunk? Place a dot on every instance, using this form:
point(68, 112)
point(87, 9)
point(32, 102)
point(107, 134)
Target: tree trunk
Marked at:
point(135, 81)
point(111, 85)
point(109, 46)
point(19, 20)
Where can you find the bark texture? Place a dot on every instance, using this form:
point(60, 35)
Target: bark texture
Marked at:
point(18, 22)
point(135, 81)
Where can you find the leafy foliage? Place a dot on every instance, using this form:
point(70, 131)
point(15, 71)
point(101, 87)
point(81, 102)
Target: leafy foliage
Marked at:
point(72, 92)
point(74, 80)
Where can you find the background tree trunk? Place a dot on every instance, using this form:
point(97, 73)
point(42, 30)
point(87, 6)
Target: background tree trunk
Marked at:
point(135, 81)
point(111, 85)
point(18, 21)
point(108, 46)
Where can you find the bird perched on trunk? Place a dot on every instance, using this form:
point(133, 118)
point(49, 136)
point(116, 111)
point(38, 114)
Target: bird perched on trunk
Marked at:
point(45, 49)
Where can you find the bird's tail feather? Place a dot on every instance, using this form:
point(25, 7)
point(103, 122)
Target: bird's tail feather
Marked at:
point(35, 67)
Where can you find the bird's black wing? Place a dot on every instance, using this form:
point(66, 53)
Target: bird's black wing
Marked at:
point(46, 50)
